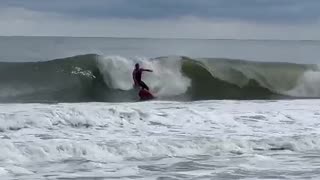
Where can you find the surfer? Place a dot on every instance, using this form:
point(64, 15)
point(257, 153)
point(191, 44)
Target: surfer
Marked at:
point(137, 74)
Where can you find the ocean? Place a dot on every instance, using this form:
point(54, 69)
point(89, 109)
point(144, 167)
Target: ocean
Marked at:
point(224, 109)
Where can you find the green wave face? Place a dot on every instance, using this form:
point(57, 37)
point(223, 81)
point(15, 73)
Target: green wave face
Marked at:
point(238, 79)
point(91, 78)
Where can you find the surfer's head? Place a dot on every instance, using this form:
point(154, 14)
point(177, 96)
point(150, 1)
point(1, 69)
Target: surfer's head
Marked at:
point(137, 66)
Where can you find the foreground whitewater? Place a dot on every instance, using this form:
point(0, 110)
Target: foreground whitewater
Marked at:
point(161, 140)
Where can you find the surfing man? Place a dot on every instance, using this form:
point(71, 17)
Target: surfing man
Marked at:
point(137, 74)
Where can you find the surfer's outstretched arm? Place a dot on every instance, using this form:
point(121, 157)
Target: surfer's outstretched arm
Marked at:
point(149, 70)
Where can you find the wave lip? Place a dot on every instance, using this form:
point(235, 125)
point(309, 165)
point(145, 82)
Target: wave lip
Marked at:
point(91, 77)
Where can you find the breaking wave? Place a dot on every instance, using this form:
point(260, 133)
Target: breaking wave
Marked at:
point(92, 77)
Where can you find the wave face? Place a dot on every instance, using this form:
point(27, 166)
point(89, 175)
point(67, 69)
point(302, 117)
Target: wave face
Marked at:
point(92, 77)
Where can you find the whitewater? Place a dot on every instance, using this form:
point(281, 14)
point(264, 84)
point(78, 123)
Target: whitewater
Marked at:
point(161, 140)
point(225, 109)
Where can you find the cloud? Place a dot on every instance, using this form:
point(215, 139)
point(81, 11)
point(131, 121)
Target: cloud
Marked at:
point(21, 21)
point(257, 11)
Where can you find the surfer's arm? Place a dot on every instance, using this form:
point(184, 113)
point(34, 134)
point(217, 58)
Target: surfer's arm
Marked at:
point(149, 70)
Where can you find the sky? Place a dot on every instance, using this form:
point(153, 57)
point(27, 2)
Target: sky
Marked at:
point(205, 19)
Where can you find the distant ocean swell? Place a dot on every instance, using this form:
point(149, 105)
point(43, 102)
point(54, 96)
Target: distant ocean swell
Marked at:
point(91, 77)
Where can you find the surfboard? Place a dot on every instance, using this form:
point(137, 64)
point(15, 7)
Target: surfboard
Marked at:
point(145, 95)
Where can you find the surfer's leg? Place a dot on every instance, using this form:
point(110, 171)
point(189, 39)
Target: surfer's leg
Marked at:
point(143, 85)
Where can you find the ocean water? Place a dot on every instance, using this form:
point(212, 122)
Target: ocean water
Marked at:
point(225, 109)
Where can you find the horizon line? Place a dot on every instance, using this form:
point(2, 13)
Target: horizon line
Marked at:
point(164, 38)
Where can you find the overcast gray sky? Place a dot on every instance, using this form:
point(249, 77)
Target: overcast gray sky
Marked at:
point(240, 19)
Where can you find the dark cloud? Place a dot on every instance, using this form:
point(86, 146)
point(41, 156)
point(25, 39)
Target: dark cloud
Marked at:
point(281, 11)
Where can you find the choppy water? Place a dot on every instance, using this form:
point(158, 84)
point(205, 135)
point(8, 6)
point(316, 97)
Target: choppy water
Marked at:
point(161, 140)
